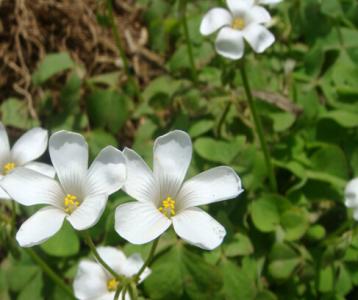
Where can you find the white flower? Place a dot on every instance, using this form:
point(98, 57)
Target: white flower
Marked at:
point(351, 197)
point(93, 282)
point(242, 21)
point(80, 195)
point(163, 199)
point(27, 148)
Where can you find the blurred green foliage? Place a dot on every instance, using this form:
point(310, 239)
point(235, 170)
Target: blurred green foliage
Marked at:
point(299, 244)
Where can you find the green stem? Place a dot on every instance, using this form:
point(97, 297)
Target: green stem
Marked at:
point(92, 246)
point(50, 273)
point(258, 126)
point(13, 216)
point(118, 291)
point(148, 261)
point(120, 49)
point(123, 293)
point(117, 38)
point(184, 22)
point(133, 291)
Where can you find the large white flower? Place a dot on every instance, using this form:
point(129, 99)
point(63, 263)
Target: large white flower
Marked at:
point(80, 195)
point(243, 20)
point(163, 199)
point(27, 148)
point(351, 197)
point(93, 282)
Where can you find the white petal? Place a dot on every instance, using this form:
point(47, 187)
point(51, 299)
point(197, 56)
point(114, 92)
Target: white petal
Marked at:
point(40, 227)
point(140, 183)
point(217, 184)
point(115, 258)
point(4, 195)
point(260, 15)
point(214, 20)
point(42, 168)
point(240, 7)
point(139, 222)
point(351, 193)
point(89, 212)
point(133, 265)
point(4, 146)
point(90, 281)
point(69, 156)
point(30, 146)
point(172, 156)
point(269, 2)
point(107, 173)
point(28, 187)
point(230, 43)
point(259, 37)
point(198, 228)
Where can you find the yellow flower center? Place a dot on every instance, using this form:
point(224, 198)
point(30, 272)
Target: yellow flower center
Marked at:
point(112, 285)
point(238, 23)
point(168, 207)
point(9, 167)
point(71, 203)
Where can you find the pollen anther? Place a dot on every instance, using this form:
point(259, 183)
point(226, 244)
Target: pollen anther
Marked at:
point(112, 285)
point(9, 167)
point(71, 203)
point(168, 207)
point(238, 23)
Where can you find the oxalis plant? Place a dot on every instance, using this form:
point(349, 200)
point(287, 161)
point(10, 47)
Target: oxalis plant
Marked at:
point(264, 244)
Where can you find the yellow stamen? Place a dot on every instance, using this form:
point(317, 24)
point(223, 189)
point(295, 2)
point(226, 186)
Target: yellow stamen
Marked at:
point(168, 207)
point(112, 285)
point(71, 203)
point(238, 23)
point(9, 167)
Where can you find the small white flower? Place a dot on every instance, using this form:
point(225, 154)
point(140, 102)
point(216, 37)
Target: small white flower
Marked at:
point(93, 282)
point(27, 148)
point(80, 195)
point(163, 199)
point(351, 197)
point(243, 20)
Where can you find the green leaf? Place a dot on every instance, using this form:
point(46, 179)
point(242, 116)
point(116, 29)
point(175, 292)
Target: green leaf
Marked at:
point(20, 275)
point(344, 118)
point(316, 232)
point(294, 223)
point(107, 108)
point(15, 113)
point(283, 261)
point(163, 86)
point(265, 213)
point(33, 289)
point(180, 269)
point(238, 285)
point(64, 243)
point(166, 279)
point(218, 151)
point(109, 79)
point(202, 280)
point(326, 279)
point(330, 159)
point(332, 8)
point(265, 295)
point(240, 245)
point(51, 65)
point(282, 121)
point(200, 127)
